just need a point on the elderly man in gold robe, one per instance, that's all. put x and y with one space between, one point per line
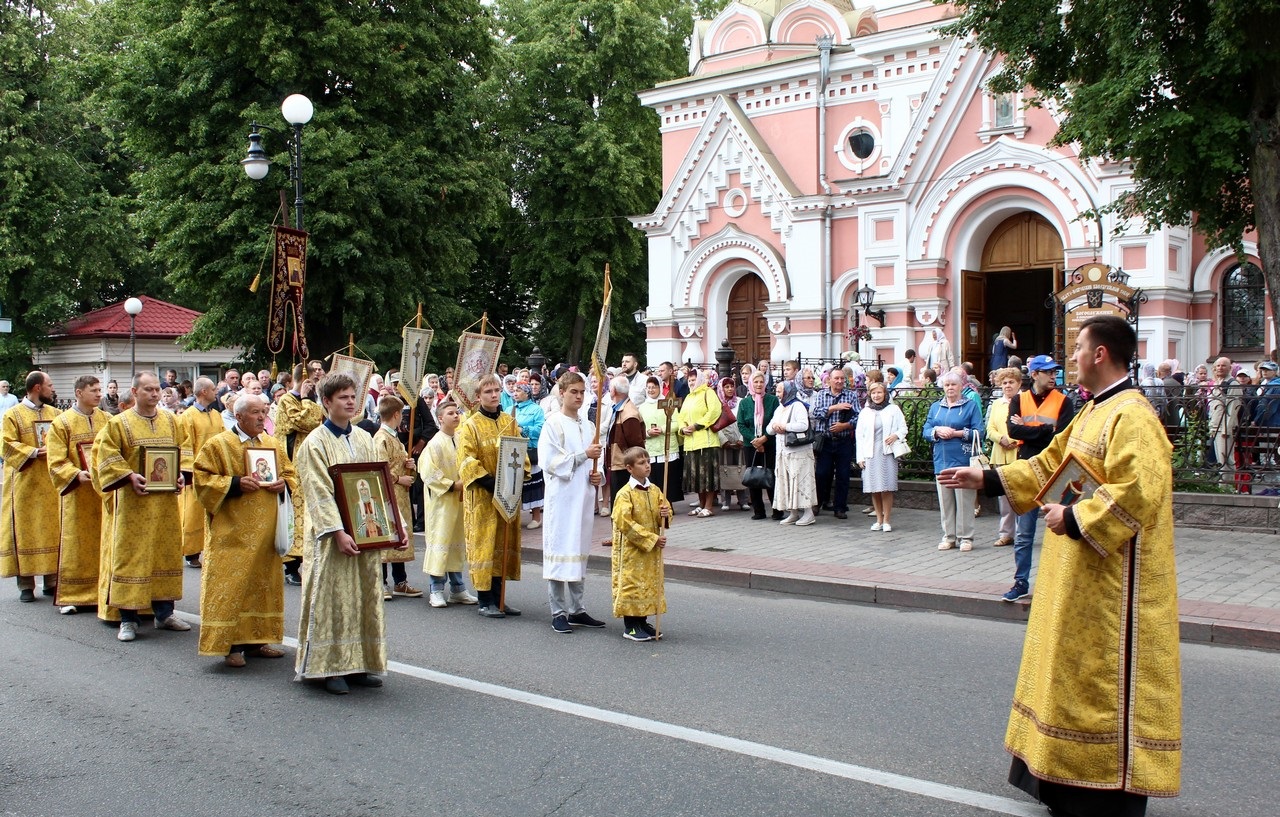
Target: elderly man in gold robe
144 565
29 514
68 444
201 423
342 633
493 544
241 589
298 414
1096 726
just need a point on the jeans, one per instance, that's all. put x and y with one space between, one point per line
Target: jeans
833 466
956 507
566 597
455 582
1022 541
162 609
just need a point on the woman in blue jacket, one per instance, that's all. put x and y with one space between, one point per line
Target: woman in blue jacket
952 426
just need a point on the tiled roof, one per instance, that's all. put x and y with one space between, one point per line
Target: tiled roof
158 319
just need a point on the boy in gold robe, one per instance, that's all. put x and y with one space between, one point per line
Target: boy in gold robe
493 544
144 566
201 423
80 551
342 632
29 512
1096 725
393 452
639 509
442 496
241 589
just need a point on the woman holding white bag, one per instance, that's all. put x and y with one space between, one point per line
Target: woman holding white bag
879 438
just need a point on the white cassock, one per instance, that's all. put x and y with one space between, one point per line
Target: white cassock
569 510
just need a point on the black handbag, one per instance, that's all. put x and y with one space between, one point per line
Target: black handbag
757 476
795 439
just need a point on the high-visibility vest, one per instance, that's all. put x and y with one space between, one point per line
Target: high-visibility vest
1045 414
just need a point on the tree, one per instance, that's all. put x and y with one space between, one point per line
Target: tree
396 165
61 247
1188 93
584 153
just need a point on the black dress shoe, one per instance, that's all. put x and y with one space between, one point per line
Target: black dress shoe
778 514
27 594
841 515
50 591
757 516
491 612
289 578
510 611
336 685
364 679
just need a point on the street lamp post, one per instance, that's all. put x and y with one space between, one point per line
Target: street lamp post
134 307
297 111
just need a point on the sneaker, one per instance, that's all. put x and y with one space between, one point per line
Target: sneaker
605 510
946 544
966 545
1003 542
296 581
877 526
68 610
649 628
584 619
436 599
172 623
405 589
387 595
637 634
491 612
807 519
1017 592
462 597
560 624
724 506
886 527
27 594
128 631
336 685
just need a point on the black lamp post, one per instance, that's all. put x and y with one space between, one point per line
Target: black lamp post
867 296
536 361
297 111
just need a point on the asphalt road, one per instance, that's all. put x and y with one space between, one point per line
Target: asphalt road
752 704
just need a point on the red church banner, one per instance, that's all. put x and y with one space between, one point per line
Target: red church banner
288 278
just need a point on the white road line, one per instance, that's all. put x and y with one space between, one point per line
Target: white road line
748 748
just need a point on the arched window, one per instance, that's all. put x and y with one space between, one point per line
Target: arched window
1244 296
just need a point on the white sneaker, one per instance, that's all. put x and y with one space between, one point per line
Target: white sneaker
172 623
436 599
128 631
946 544
462 597
68 610
966 545
791 519
886 527
877 526
807 519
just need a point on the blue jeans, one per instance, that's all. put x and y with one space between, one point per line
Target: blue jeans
162 609
455 582
1024 536
833 466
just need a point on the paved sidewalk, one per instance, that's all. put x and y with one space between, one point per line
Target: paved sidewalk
1228 582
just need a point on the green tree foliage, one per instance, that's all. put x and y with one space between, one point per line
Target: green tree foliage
1187 92
396 164
62 246
584 154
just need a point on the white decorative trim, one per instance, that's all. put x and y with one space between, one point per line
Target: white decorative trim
727 245
735 15
735 203
815 11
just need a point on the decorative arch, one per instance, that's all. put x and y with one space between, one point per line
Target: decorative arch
802 21
729 244
1207 276
736 27
844 286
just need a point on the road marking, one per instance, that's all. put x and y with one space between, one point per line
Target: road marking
748 748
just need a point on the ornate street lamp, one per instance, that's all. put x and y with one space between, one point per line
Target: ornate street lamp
867 296
297 111
133 306
640 315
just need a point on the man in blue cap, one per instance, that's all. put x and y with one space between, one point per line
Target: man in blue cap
1035 416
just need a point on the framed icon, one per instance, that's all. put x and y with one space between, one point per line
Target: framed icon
159 467
1073 481
42 431
366 505
84 450
263 464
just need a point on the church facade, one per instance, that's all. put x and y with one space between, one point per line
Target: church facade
822 147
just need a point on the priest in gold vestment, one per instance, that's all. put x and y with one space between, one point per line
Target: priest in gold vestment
144 566
241 589
200 423
80 551
1096 726
29 510
493 544
298 414
341 633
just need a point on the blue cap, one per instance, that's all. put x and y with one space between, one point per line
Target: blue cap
1042 363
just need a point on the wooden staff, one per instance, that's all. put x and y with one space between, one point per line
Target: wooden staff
668 408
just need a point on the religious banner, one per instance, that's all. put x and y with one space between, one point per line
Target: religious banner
508 483
288 279
600 352
360 370
477 358
413 361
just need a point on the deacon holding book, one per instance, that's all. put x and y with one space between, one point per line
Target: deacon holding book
80 552
1097 711
342 634
29 511
201 422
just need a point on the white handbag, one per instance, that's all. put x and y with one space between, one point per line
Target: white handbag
284 522
977 459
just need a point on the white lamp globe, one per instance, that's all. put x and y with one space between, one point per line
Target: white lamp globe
297 109
133 306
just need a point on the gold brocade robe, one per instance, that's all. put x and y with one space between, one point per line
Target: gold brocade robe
392 451
29 510
296 418
445 541
105 611
200 427
145 560
637 559
1099 698
341 630
493 544
241 585
80 551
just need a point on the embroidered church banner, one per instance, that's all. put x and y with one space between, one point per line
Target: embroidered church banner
288 279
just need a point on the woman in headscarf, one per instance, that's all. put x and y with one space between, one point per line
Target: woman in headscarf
663 447
806 382
795 487
754 412
880 425
730 443
700 411
531 418
508 396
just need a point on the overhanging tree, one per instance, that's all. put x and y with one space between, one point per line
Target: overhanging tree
1187 92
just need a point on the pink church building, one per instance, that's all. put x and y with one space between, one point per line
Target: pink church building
961 218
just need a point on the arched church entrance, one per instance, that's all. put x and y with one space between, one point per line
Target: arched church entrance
1020 263
748 329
